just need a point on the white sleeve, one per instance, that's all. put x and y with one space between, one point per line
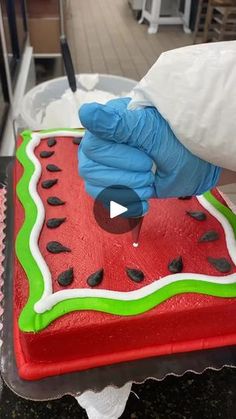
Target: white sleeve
194 89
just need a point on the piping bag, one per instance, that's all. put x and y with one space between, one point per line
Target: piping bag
136 229
136 226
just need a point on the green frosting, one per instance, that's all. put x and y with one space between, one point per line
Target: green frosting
30 321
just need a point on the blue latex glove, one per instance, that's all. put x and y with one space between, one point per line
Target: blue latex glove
120 147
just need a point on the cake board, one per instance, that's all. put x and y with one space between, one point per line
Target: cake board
94 379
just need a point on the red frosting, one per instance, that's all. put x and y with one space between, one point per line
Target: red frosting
87 339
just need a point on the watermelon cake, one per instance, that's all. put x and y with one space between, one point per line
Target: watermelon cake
84 298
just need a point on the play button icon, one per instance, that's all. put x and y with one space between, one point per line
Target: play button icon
116 209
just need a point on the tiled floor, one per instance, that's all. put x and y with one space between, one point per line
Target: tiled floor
105 38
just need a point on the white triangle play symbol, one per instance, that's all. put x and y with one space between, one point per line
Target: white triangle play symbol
116 209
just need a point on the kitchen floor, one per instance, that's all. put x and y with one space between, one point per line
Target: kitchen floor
105 38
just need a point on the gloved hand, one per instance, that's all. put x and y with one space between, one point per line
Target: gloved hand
120 147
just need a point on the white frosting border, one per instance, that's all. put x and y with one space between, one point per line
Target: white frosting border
50 299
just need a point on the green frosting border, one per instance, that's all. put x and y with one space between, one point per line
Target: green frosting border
30 321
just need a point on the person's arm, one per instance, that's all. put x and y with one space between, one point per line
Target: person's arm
120 147
227 177
193 88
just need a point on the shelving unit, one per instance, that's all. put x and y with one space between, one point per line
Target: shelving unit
44 30
16 69
44 27
223 24
216 20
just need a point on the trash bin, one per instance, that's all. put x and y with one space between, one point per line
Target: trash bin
36 100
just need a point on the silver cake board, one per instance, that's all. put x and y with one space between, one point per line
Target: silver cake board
96 379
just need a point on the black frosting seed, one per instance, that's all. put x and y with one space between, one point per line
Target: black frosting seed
197 215
209 236
53 168
51 142
176 265
77 140
55 222
56 247
95 278
135 274
184 197
66 277
45 154
53 200
221 264
46 184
